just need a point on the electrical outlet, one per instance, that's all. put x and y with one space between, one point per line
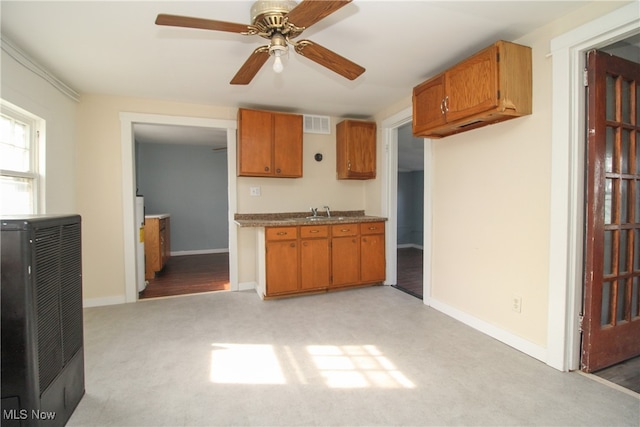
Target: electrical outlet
516 304
254 191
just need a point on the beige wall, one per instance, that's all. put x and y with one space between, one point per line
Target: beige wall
99 187
490 206
99 183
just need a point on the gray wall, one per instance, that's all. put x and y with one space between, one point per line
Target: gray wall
410 208
189 182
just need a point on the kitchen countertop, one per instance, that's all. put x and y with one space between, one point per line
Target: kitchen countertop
284 219
158 216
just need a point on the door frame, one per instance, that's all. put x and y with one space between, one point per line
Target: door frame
127 120
566 236
389 198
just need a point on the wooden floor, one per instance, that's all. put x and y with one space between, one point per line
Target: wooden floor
190 274
625 374
410 271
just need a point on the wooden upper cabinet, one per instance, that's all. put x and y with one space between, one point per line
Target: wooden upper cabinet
356 149
489 87
287 147
269 144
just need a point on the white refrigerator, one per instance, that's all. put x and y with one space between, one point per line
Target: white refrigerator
140 244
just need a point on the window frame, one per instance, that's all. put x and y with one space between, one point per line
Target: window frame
36 152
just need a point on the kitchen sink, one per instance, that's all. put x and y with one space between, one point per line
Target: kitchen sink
319 218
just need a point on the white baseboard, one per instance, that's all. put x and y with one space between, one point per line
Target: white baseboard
520 344
200 252
409 245
247 286
99 302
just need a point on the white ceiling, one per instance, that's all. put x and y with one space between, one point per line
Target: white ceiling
114 47
170 134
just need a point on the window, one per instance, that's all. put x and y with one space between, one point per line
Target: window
19 171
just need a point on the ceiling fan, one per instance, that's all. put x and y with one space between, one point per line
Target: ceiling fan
279 22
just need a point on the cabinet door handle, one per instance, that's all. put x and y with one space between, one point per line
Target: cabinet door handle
442 106
266 168
282 233
314 231
446 103
293 245
364 239
348 166
344 230
305 244
278 170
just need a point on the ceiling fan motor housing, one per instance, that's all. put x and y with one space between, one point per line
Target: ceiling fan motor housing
271 13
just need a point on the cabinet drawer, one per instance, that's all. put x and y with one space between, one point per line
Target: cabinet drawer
344 230
311 231
372 228
281 233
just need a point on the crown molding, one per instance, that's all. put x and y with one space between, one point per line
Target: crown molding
19 55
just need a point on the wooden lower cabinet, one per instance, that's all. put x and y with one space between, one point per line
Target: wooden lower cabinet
157 246
345 255
282 267
372 259
315 267
318 258
282 259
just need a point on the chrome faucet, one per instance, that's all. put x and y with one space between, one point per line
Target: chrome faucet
314 211
328 211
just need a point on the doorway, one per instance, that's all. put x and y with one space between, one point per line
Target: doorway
611 324
410 212
130 230
181 174
390 134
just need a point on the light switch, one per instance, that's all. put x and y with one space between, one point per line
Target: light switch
254 191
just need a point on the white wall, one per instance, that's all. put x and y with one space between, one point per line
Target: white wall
29 91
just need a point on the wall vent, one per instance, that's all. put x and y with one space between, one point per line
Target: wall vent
317 124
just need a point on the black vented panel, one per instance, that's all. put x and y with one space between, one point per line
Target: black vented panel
71 291
47 279
42 339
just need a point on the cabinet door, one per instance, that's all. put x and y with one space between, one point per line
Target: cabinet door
314 263
372 258
356 149
471 87
345 261
151 247
282 266
255 143
166 237
287 151
428 105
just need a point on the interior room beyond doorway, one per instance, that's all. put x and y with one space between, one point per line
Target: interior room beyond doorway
181 172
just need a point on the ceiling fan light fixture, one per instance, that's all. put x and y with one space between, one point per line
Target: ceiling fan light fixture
277 49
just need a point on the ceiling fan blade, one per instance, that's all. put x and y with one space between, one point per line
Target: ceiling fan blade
204 24
252 65
330 59
308 12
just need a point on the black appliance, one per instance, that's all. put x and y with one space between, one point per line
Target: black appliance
42 330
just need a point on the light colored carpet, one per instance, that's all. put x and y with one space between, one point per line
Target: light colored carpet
371 356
